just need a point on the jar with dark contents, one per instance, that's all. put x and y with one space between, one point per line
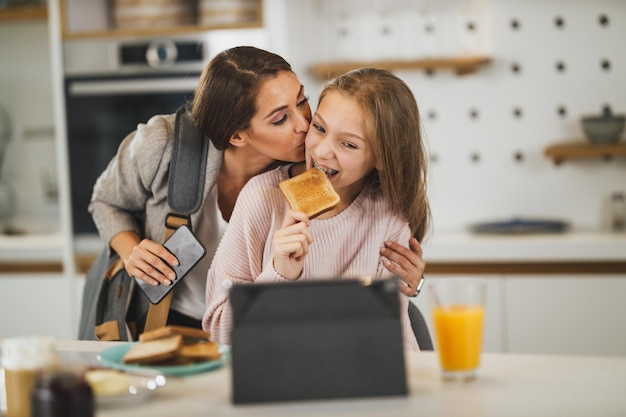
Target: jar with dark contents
62 393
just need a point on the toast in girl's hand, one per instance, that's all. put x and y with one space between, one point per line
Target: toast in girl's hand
310 192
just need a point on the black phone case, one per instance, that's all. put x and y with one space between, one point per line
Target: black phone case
188 250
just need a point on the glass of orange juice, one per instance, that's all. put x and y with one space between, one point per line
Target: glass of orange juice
458 312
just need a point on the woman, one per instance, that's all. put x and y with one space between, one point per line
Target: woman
365 117
253 109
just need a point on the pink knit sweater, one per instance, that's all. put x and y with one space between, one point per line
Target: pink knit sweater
346 245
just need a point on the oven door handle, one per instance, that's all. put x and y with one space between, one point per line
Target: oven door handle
132 87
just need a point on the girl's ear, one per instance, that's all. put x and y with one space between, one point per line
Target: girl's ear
237 140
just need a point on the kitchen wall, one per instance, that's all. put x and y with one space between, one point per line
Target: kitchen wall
486 131
26 93
552 62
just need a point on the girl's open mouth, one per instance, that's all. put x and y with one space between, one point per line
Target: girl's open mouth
329 172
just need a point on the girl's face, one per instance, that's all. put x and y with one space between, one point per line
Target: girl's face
278 128
337 143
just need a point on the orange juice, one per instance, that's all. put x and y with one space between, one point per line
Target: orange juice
459 334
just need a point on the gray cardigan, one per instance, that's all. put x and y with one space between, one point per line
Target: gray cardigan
136 180
131 195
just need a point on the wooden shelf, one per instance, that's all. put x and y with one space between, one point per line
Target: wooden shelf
23 13
460 65
177 30
104 27
578 150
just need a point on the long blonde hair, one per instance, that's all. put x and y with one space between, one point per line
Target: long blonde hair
393 126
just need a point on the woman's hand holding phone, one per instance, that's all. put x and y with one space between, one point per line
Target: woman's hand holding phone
186 250
151 262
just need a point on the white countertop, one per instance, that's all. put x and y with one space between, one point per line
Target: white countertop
570 246
42 247
443 247
509 385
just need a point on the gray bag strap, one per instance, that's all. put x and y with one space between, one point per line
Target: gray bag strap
184 193
188 167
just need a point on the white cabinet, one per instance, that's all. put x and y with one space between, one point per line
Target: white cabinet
36 304
550 314
583 315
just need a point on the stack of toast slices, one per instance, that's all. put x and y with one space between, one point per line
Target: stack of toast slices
173 345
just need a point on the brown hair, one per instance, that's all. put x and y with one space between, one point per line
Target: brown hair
225 98
393 127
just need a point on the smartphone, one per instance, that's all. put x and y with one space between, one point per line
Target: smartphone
184 245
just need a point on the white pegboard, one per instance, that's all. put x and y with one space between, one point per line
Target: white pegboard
487 131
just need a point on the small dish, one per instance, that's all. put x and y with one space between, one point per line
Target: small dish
519 226
603 129
141 385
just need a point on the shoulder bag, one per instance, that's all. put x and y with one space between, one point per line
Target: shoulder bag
109 309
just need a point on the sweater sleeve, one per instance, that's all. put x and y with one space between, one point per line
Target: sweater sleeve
240 256
124 187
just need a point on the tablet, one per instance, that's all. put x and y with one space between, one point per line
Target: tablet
320 339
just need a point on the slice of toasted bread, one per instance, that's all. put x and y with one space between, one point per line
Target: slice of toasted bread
154 350
189 334
107 381
310 192
203 351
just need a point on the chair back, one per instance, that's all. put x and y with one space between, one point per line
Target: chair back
420 328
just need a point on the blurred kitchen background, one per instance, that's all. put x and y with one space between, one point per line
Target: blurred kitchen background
502 87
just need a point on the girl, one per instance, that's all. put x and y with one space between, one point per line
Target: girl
365 136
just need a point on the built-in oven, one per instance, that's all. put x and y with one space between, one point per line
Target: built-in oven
110 87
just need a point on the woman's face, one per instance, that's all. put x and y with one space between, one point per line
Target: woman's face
337 143
278 128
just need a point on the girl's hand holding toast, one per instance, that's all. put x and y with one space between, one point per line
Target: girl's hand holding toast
291 245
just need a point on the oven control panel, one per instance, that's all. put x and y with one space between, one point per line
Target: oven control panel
162 53
119 57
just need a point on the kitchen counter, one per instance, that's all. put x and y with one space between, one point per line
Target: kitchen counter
571 248
44 247
571 253
40 252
